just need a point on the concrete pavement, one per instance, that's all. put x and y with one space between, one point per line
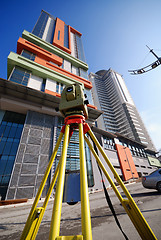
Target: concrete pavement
13 217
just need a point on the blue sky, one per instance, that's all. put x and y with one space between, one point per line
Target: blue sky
115 35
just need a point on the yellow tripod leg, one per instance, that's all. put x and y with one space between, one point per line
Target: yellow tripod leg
85 209
129 205
33 209
41 210
103 169
56 215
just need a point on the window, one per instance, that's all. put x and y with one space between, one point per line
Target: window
80 50
67 65
83 73
20 76
137 151
43 85
62 66
75 70
66 38
28 55
52 26
89 166
59 35
73 161
89 95
61 88
108 143
57 87
40 25
10 133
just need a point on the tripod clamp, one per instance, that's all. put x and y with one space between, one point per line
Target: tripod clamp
74 121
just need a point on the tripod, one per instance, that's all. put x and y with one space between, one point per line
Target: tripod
31 228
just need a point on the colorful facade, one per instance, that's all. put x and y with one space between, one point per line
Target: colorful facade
47 59
51 56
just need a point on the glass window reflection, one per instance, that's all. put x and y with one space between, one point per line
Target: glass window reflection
73 161
10 133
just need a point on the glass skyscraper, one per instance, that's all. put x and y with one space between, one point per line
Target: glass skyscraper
119 111
10 131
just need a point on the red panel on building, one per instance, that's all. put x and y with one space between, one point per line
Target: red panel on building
59 36
126 162
23 44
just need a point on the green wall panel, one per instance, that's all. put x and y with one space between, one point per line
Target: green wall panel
53 49
154 161
36 69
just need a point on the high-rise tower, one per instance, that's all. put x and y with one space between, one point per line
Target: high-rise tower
120 114
47 59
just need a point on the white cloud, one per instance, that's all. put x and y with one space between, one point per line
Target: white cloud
152 121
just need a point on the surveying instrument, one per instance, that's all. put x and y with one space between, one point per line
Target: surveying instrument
74 109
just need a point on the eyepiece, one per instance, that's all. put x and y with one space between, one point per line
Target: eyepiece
70 89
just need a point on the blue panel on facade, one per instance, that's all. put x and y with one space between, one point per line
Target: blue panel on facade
53 30
81 55
28 55
73 161
40 25
83 73
10 132
72 188
66 37
20 75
